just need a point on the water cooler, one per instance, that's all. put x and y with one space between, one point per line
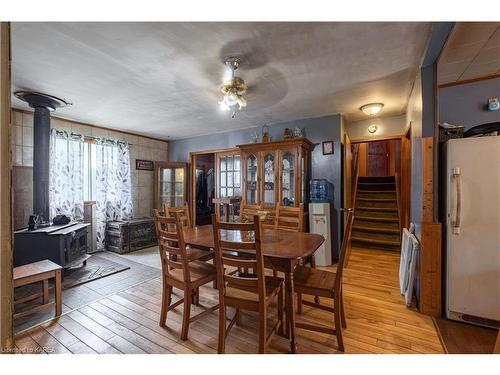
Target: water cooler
320 218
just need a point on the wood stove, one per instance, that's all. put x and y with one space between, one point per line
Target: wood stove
66 244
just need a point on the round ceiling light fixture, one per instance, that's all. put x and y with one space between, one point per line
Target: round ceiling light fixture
372 109
372 128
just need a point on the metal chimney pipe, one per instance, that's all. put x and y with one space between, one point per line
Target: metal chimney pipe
41 158
43 105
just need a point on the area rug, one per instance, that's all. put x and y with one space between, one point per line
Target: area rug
96 268
463 338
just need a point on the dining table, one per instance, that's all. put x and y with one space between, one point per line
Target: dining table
282 249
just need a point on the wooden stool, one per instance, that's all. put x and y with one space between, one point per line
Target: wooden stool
33 273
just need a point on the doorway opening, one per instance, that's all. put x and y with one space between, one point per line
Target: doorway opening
202 187
377 186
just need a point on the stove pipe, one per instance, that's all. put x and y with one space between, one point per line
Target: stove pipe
43 104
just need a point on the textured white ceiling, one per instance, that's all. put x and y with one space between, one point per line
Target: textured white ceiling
472 51
162 79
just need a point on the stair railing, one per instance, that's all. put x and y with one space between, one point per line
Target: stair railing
398 199
354 187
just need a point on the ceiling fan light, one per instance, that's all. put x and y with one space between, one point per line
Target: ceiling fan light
372 109
242 102
233 88
224 106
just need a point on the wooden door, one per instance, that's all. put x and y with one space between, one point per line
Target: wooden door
378 158
170 185
347 172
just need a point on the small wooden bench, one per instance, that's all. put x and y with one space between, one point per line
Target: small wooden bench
36 272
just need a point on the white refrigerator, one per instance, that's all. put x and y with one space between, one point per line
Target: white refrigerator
473 230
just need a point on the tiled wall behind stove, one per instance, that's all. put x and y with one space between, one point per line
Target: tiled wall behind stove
22 158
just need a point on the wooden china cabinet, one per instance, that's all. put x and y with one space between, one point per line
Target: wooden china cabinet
275 172
169 185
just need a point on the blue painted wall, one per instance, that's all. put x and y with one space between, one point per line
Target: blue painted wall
317 130
464 104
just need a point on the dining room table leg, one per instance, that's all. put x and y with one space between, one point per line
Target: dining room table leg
290 308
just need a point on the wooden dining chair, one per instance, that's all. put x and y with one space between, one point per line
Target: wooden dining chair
183 212
180 271
292 219
241 291
315 282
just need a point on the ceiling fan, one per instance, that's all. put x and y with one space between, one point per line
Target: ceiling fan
233 89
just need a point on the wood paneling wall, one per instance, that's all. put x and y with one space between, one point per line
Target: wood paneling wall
405 181
6 340
430 253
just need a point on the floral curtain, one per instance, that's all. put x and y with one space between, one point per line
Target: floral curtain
66 174
113 190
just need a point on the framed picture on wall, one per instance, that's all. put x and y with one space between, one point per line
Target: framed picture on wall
327 148
144 165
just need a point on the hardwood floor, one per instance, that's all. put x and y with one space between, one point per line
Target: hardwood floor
127 322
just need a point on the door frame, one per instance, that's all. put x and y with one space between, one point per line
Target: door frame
167 164
192 177
6 245
405 172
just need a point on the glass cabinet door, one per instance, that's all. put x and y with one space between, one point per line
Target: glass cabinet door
302 179
288 179
229 176
269 180
170 185
252 190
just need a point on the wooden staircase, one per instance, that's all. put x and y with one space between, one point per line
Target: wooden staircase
376 219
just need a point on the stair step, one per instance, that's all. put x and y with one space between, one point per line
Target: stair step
376 213
376 192
361 199
375 241
376 179
376 186
379 229
377 219
376 224
380 209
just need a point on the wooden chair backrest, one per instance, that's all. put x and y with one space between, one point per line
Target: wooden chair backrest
239 237
265 216
171 245
290 218
182 210
345 251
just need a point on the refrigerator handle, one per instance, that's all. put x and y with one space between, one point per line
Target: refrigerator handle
457 177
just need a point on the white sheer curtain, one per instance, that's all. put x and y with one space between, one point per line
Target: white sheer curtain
113 189
66 174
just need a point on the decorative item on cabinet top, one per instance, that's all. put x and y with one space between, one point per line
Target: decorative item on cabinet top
298 133
265 134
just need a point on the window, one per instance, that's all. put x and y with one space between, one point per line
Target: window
230 176
89 171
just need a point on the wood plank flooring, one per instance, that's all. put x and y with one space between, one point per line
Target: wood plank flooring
127 321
